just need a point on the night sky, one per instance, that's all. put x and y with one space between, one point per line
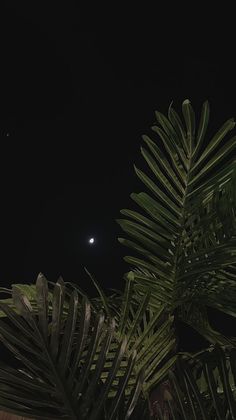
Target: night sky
74 103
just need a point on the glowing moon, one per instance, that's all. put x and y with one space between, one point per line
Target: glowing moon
91 240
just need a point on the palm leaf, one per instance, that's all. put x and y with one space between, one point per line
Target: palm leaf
71 354
203 386
187 226
60 376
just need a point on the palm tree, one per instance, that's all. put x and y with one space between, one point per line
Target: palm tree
116 356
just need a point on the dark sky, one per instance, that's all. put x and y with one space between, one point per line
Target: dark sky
74 104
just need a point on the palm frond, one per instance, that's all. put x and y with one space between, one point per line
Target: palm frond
72 355
204 387
186 230
61 373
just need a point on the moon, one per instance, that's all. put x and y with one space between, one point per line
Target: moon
91 241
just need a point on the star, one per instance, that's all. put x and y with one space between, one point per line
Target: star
91 241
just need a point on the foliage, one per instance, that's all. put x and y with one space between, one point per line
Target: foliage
73 357
204 387
65 368
116 356
185 232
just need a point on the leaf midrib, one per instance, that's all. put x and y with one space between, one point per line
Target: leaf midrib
176 258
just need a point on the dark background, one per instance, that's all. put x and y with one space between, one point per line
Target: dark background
75 99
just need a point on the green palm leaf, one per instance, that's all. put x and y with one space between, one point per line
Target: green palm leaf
186 229
204 386
73 355
60 376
